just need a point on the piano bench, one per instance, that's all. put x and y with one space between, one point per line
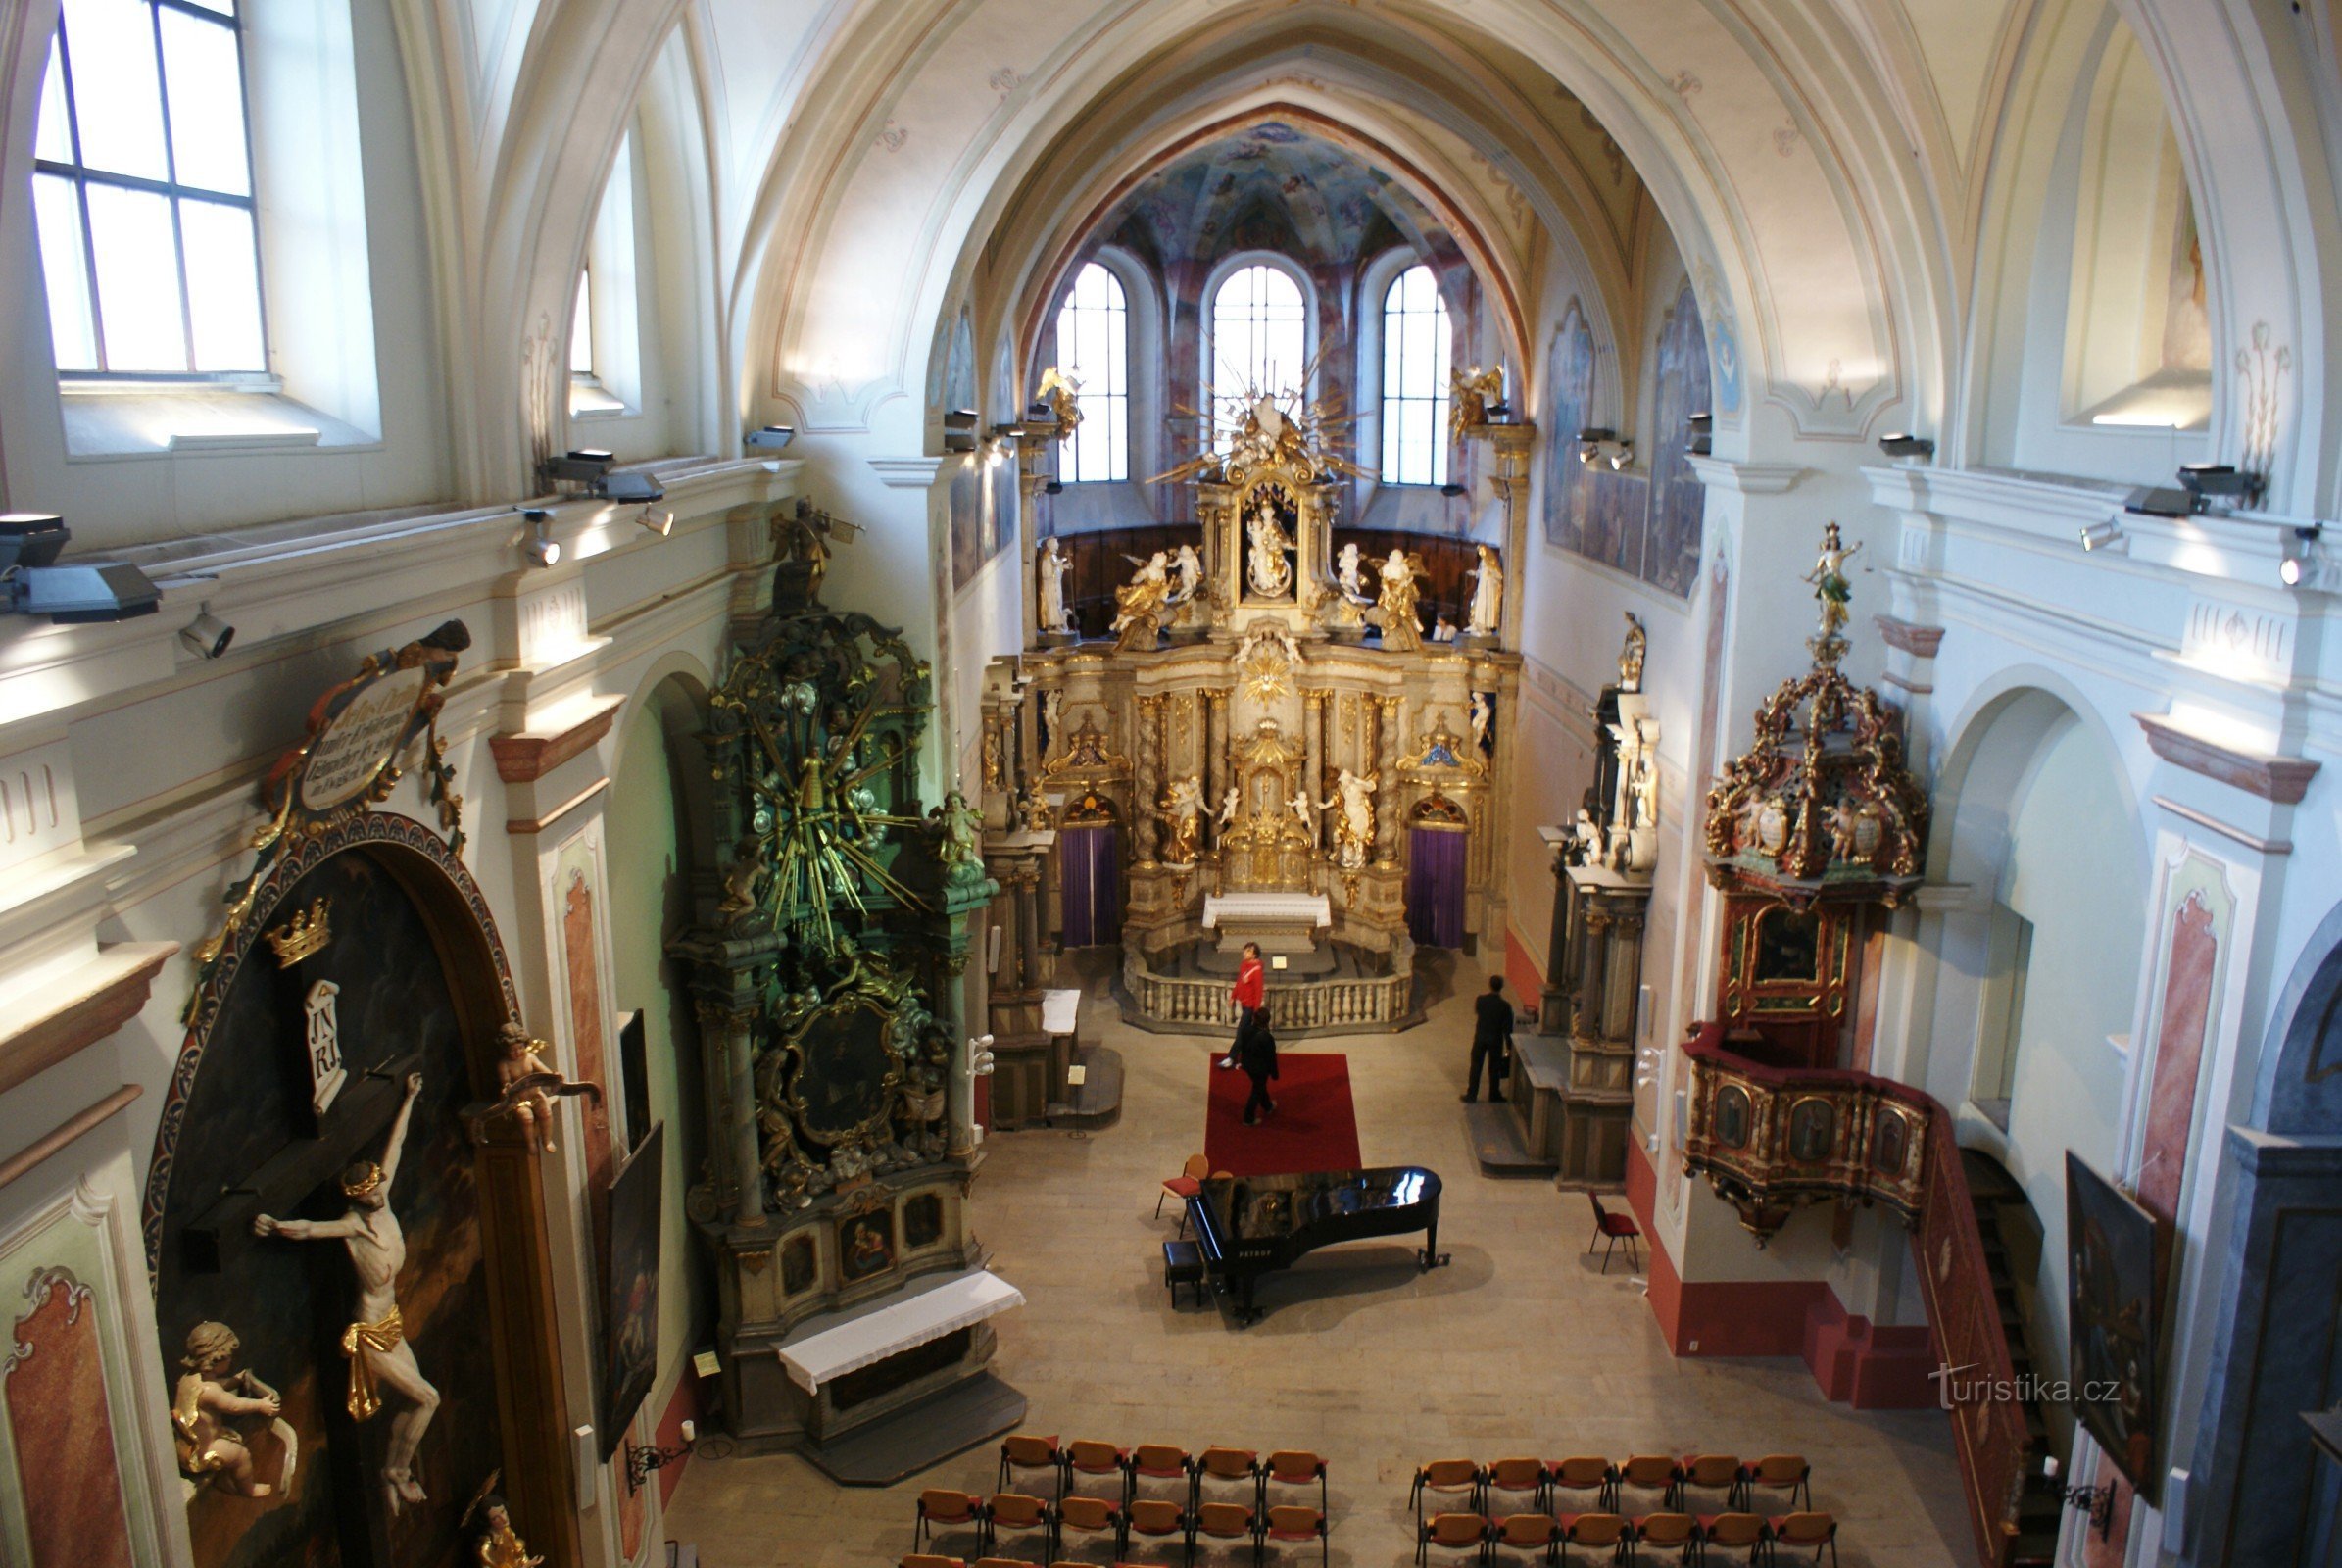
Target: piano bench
1182 1264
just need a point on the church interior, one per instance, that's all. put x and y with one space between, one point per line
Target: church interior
1170 782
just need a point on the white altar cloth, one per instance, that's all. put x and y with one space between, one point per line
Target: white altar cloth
832 1345
1282 908
1061 1010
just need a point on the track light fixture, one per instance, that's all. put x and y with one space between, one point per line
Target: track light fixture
1601 446
32 582
541 548
959 430
772 438
1903 444
578 465
207 636
2299 566
2102 535
2210 482
657 520
1703 434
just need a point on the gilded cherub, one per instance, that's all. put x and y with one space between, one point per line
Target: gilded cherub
206 1405
517 1063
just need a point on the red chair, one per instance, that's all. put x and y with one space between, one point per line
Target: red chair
1648 1472
1451 1477
1086 1456
1293 1467
1018 1511
1618 1228
1709 1472
1225 1521
1183 1186
1452 1532
925 1559
1744 1533
939 1505
1539 1534
1801 1530
1158 1461
1240 1465
1004 1562
1157 1520
1297 1522
1521 1478
1678 1533
1587 1478
1090 1516
1597 1532
1786 1473
1024 1452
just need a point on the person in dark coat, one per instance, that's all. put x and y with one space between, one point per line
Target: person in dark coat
1492 1041
1259 1061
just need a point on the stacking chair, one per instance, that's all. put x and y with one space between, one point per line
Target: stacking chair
1786 1473
1293 1467
1600 1535
1587 1479
1523 1477
1158 1461
925 1559
1709 1472
1021 1512
1297 1522
950 1509
1225 1522
1538 1533
1004 1562
1183 1186
1744 1533
1157 1519
1615 1228
1237 1465
1094 1517
1086 1456
1798 1531
1452 1532
1678 1533
1648 1472
1024 1452
1456 1478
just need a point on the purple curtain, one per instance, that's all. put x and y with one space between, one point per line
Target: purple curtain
1436 887
1093 869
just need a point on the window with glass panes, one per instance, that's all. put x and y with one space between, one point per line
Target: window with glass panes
1259 330
142 191
581 328
1415 378
1094 347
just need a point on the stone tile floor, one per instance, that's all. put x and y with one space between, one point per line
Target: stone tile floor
1520 1346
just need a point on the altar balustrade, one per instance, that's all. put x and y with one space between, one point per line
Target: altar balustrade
1334 1001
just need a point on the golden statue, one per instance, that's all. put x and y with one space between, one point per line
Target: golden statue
1182 813
1063 394
499 1545
1138 604
1468 394
1831 591
1395 611
206 1405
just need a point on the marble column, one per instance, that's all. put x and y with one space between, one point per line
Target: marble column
1146 785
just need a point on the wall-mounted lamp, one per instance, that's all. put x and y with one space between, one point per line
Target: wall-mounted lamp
1499 413
33 583
2298 563
579 466
2102 535
772 438
1451 490
641 1461
2160 500
207 636
657 520
630 486
542 549
1903 444
959 430
1703 434
1599 445
2225 482
1055 487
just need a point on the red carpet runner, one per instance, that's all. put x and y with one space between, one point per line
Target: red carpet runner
1315 1127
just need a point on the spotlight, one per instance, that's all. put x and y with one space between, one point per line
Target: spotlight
1451 490
207 636
77 592
959 430
2210 481
32 538
542 549
772 438
661 523
1055 487
1600 445
2160 500
1903 444
630 486
2296 566
581 466
1703 434
2102 535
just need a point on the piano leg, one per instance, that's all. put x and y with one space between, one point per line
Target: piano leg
1431 1257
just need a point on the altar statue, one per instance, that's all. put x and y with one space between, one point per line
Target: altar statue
206 1406
1488 595
1631 654
1483 712
1394 611
1182 814
1268 569
1052 567
1831 591
518 1061
1187 571
1468 394
1347 576
1353 829
1139 604
376 1342
1225 815
1304 811
1053 720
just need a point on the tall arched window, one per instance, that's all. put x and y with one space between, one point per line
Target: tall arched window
142 190
1415 374
1259 341
1094 334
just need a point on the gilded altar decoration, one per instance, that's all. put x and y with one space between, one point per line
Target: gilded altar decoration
1270 843
1064 395
1832 592
1138 604
308 933
1269 548
499 1545
1182 813
1486 608
1088 756
358 733
1440 752
1394 611
212 1407
1631 655
1468 394
526 1088
1267 661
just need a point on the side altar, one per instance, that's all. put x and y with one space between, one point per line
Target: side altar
1272 747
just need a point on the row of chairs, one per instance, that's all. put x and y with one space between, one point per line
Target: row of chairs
1156 1519
1620 1539
1599 1484
1084 1462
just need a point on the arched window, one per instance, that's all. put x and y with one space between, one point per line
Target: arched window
1415 372
1094 335
581 326
142 190
1259 341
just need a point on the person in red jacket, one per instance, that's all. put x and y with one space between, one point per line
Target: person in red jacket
1251 993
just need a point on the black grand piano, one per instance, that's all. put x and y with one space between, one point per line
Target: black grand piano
1247 1226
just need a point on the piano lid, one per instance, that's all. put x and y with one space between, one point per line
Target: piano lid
1269 1209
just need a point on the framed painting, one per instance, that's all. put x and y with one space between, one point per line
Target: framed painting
2114 1287
630 1272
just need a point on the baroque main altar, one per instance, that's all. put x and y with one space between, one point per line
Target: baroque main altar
1271 747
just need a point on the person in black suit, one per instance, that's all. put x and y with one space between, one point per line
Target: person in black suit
1257 1049
1492 1041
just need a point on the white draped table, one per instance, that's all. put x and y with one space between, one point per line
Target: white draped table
838 1342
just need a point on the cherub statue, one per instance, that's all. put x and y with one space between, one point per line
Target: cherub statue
742 880
1228 805
1139 604
1182 813
206 1406
1187 571
1394 611
1831 591
1268 569
1052 565
517 1062
1347 576
1304 811
1468 394
1585 840
1034 811
960 843
1488 595
499 1545
1063 393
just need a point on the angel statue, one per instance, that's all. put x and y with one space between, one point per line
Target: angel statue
1182 814
1488 595
1225 815
1052 565
1468 394
1270 571
1831 591
1347 574
1139 604
1630 656
1353 829
209 1406
1187 572
1304 811
1394 611
1063 394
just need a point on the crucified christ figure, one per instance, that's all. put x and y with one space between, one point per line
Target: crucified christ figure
377 1341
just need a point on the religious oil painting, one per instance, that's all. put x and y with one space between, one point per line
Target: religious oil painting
845 1071
2113 1278
630 1315
865 1244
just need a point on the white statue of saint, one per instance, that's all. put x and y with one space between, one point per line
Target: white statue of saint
1271 573
1053 722
1483 712
1182 814
1347 573
1488 595
1052 567
1353 829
